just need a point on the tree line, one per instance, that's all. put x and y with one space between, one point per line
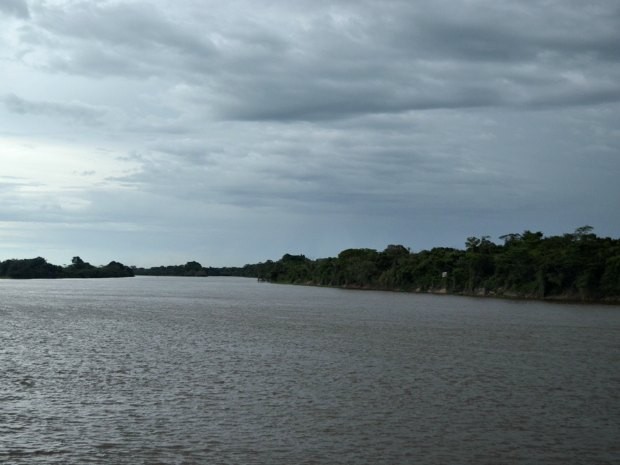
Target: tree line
39 268
189 269
577 266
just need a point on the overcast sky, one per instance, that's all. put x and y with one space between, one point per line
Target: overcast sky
161 131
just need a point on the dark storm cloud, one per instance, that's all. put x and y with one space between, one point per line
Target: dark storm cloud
416 56
18 8
350 58
510 32
78 112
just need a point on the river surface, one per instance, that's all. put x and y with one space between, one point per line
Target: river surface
152 370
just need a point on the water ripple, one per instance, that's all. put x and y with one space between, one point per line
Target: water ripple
185 371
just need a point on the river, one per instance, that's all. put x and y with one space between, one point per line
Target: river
162 370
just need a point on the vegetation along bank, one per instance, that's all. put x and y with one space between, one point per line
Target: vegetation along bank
577 266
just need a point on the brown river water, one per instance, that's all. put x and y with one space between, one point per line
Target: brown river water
152 370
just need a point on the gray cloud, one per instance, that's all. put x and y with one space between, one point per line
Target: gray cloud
123 39
122 24
406 59
321 124
348 59
339 170
79 112
17 8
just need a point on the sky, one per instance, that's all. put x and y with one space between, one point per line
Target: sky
163 131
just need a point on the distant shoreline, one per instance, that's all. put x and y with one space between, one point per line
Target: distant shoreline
39 268
440 292
574 267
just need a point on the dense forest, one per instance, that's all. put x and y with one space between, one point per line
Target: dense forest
247 271
577 266
39 268
189 269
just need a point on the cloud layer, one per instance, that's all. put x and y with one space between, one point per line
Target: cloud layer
233 134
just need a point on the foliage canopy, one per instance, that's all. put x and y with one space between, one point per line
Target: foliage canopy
579 266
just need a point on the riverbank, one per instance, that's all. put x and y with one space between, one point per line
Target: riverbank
477 293
576 267
39 268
